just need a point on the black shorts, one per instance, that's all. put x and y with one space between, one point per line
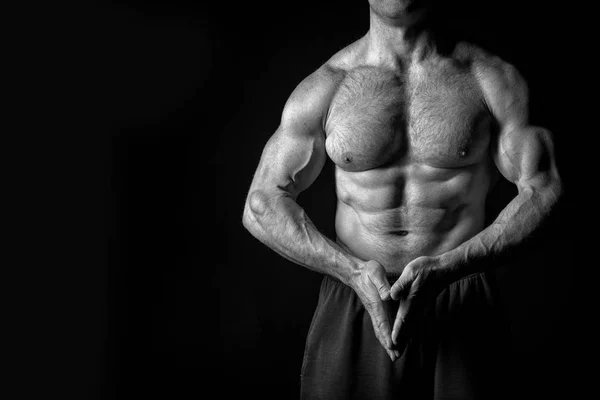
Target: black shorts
458 350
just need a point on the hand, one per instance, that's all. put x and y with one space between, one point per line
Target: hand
420 281
373 288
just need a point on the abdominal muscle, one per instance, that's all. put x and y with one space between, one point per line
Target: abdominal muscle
432 211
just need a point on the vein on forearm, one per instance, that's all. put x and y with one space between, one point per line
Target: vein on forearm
284 226
517 222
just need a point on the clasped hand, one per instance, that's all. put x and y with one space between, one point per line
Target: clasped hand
420 281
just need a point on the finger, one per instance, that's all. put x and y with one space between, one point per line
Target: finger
378 313
400 288
402 317
380 320
391 354
379 279
381 324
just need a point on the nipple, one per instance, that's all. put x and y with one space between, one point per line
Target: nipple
462 152
347 157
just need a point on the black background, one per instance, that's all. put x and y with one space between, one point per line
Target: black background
140 279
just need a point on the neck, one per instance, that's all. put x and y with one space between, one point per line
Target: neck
401 39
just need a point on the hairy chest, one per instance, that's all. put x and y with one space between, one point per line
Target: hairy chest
434 117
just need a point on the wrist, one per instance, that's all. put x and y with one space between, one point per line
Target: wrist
352 272
349 269
452 268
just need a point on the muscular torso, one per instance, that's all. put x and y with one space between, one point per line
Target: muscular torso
413 166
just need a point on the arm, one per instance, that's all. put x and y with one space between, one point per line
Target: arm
291 161
524 155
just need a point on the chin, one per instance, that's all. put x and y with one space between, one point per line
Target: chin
397 9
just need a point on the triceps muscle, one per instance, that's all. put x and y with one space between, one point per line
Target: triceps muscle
281 224
290 164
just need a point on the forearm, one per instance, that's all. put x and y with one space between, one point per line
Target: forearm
281 224
518 221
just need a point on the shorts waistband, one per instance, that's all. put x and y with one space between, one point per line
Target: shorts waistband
394 276
391 276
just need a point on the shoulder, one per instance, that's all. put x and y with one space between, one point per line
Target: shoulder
490 69
309 101
315 89
313 95
504 89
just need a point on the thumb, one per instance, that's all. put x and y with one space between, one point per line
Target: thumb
379 279
400 288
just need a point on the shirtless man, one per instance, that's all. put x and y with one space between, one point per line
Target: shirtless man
418 137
